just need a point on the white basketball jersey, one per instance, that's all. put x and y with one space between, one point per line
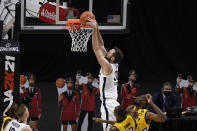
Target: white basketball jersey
15 126
108 83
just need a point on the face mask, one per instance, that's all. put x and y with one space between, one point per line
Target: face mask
89 84
167 93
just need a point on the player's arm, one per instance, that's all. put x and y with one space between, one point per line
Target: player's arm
131 112
27 128
103 62
99 120
113 128
98 35
97 50
101 42
160 116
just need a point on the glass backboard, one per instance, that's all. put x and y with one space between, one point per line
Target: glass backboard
41 14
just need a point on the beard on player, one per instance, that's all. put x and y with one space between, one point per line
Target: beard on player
114 55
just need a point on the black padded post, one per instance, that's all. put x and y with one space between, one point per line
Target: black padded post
1 30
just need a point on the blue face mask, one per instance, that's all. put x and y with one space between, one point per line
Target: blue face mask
167 93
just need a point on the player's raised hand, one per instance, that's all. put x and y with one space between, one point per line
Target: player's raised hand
92 23
149 98
98 120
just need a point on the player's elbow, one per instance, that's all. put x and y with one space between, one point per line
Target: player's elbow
163 118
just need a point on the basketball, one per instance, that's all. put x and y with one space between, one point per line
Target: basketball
23 79
84 16
60 82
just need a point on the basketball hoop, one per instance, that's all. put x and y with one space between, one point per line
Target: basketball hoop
80 35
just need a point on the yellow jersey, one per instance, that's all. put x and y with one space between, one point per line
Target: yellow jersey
5 119
142 124
128 124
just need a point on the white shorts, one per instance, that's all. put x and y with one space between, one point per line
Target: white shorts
107 112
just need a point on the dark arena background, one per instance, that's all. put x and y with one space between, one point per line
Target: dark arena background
158 41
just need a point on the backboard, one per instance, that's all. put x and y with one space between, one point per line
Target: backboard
41 14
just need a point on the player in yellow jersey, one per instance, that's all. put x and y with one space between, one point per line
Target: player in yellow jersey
125 121
145 116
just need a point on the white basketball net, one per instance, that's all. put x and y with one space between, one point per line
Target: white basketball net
80 37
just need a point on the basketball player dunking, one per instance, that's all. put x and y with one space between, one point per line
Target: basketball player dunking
108 74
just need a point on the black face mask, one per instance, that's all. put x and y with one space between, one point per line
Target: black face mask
167 93
89 84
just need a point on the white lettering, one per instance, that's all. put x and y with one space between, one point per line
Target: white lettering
9 64
9 49
49 15
9 98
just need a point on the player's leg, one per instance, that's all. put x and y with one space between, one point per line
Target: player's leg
108 109
65 124
73 125
81 119
104 116
90 120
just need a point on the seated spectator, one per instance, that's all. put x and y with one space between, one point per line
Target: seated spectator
166 98
130 90
188 92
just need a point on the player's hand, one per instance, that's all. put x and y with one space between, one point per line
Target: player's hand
98 120
92 23
149 98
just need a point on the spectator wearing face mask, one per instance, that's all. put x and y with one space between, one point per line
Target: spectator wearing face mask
166 98
188 91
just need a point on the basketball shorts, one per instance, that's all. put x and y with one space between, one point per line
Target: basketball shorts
69 122
107 112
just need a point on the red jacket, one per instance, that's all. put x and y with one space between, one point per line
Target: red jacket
36 105
88 98
187 99
25 93
129 94
70 109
